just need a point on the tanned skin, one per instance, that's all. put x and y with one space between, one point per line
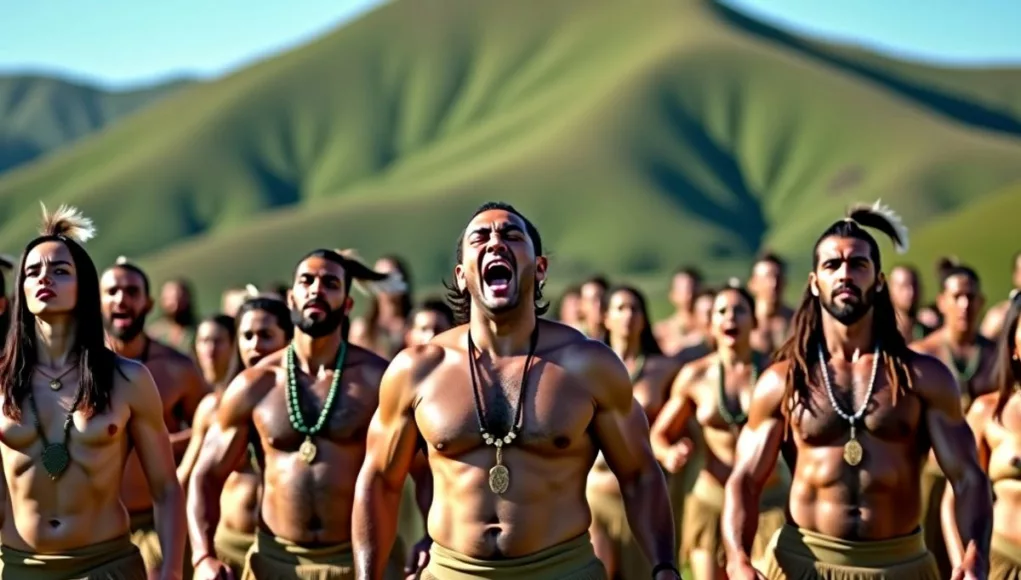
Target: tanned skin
879 498
306 504
773 317
578 402
84 506
992 324
125 302
681 328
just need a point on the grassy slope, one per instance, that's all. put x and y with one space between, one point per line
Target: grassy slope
386 134
40 114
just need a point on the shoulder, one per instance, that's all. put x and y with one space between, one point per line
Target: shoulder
925 344
772 383
161 350
368 364
932 380
983 406
247 389
139 387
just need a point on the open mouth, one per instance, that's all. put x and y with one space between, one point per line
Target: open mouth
731 332
497 276
121 319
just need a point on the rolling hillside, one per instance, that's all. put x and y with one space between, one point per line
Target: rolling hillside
637 139
39 114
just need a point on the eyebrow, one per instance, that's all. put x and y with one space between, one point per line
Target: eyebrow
53 263
503 228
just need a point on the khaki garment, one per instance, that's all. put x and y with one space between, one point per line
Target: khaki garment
272 558
703 510
570 560
232 548
798 554
116 559
144 536
934 484
1004 559
609 515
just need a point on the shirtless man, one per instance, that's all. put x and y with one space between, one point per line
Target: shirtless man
263 327
993 321
714 391
629 335
308 406
854 412
773 318
124 292
995 419
72 410
680 330
906 293
509 478
591 307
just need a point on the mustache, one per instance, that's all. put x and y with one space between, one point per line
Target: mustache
854 290
317 302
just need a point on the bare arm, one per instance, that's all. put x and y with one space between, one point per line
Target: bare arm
622 432
195 389
223 447
993 322
203 416
672 421
758 448
152 445
423 479
980 412
953 443
390 448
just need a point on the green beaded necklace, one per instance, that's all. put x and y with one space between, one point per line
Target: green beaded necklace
308 448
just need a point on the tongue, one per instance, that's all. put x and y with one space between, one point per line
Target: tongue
499 284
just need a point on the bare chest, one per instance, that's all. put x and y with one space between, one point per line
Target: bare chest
553 416
818 421
284 419
722 402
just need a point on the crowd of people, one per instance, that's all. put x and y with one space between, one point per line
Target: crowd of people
489 434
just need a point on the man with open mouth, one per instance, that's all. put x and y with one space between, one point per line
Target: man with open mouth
511 410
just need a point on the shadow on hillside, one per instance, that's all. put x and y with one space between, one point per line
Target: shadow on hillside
15 152
948 105
740 214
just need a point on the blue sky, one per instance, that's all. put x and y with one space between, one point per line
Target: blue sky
123 42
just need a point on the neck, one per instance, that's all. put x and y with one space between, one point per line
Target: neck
766 309
843 341
960 337
132 349
684 310
315 353
625 347
54 340
504 336
738 353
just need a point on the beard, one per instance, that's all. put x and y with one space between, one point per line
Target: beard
850 311
125 333
318 328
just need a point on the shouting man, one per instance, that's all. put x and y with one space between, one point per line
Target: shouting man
124 292
308 407
854 412
512 410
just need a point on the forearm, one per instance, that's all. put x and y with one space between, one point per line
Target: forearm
375 525
948 520
204 490
168 511
974 510
423 490
740 519
179 442
649 515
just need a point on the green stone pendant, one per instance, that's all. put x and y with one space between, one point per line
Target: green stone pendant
56 459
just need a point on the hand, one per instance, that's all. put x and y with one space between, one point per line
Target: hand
210 568
744 571
418 558
677 456
969 566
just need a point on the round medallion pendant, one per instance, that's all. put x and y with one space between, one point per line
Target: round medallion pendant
499 479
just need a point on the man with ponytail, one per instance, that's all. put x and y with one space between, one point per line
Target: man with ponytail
854 412
72 411
308 407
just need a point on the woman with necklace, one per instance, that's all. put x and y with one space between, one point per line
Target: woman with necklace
263 327
716 391
995 418
629 334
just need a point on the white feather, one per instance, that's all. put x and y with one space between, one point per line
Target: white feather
121 260
392 284
891 216
69 222
252 290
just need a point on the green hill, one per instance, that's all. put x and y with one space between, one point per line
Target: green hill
39 114
637 138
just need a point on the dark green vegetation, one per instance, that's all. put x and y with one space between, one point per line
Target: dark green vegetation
39 114
637 138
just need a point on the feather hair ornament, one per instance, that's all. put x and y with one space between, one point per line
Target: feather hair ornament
883 218
252 290
370 282
121 260
67 222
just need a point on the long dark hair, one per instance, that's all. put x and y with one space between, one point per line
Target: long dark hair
800 349
1008 368
281 313
96 363
5 317
372 310
460 300
647 344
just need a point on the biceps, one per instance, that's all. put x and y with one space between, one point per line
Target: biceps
953 443
152 444
758 448
222 449
624 440
391 445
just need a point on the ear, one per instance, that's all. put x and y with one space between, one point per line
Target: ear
459 279
813 284
348 305
148 305
541 264
290 298
880 282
